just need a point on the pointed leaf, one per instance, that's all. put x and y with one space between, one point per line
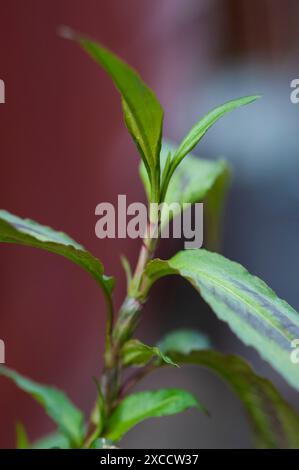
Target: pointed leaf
135 353
200 128
252 310
143 405
142 111
57 405
26 232
274 423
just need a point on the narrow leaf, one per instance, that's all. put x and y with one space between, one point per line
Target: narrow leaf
252 310
199 130
26 232
274 423
142 111
58 406
143 405
135 353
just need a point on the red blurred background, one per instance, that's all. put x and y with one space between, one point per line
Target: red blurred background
64 149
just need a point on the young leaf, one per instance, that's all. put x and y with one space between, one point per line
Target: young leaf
26 232
143 405
274 423
252 310
202 126
142 111
183 341
69 418
192 182
135 353
21 437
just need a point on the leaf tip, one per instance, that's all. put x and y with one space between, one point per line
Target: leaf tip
253 98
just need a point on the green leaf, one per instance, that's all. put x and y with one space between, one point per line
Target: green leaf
135 353
252 310
196 134
54 440
274 423
143 405
194 179
58 406
26 232
21 437
183 341
191 182
202 126
142 111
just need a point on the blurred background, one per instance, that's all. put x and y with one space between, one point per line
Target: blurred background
64 149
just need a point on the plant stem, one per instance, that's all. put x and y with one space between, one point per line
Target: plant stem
109 324
135 378
127 321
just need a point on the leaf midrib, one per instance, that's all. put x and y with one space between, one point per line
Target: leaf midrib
224 286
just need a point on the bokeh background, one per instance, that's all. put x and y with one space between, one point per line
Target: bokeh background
64 148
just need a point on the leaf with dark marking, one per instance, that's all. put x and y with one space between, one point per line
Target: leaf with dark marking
273 421
252 310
